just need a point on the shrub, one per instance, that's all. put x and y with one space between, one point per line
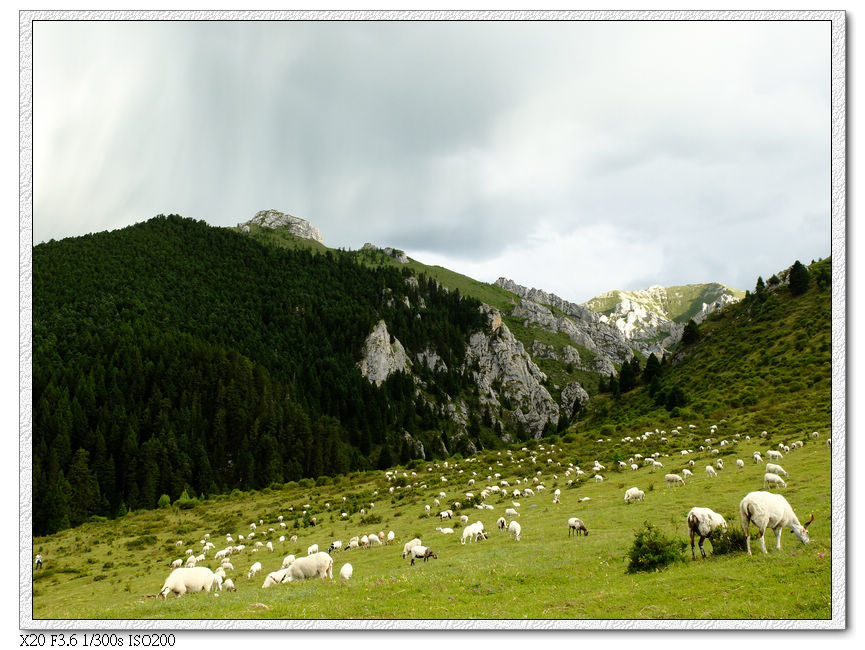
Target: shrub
370 518
164 501
141 542
727 541
652 550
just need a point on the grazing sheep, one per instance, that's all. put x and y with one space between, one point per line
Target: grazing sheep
227 566
510 512
254 569
373 540
634 494
408 546
776 469
269 546
769 510
829 443
598 478
472 532
446 514
703 521
317 565
312 549
464 519
390 537
514 529
774 479
757 457
228 585
275 578
686 473
293 539
710 471
189 580
346 571
422 552
174 565
634 467
691 463
740 463
774 453
577 526
719 463
501 523
335 545
674 479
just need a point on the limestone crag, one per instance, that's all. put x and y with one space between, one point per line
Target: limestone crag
503 370
573 395
274 219
395 253
381 358
432 360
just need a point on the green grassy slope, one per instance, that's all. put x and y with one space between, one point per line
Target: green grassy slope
679 304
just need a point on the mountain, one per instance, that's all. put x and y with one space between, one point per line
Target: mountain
172 358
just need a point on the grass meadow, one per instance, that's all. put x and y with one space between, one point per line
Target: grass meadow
111 569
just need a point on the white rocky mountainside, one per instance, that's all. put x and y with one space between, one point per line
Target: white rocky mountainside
274 219
381 358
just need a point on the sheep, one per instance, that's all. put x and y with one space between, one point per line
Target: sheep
472 532
228 585
220 571
293 539
774 479
346 571
634 494
312 549
757 457
464 519
514 529
275 578
719 463
422 552
188 580
740 463
598 478
373 540
226 566
686 473
674 479
445 531
390 537
317 565
829 443
577 526
510 512
774 453
691 463
776 469
501 523
446 514
634 467
269 546
254 569
710 471
335 545
190 562
768 510
176 564
408 546
703 521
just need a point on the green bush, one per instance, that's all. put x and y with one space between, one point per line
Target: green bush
652 550
164 501
727 541
141 542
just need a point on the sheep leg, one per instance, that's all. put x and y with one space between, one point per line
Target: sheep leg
778 530
702 552
763 539
693 557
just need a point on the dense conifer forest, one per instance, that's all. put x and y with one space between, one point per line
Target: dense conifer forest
172 357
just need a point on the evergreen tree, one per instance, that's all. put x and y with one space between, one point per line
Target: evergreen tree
691 333
652 369
799 278
84 494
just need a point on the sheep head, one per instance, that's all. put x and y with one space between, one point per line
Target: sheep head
802 531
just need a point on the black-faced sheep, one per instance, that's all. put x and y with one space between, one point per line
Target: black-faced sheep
423 552
703 521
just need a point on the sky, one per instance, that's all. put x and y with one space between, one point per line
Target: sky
576 157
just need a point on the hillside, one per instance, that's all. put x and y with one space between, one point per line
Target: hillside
678 304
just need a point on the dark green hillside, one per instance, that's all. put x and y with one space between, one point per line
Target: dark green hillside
765 361
171 355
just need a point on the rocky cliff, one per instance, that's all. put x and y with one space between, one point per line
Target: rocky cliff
381 358
274 219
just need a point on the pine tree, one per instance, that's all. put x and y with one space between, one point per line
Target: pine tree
799 278
691 333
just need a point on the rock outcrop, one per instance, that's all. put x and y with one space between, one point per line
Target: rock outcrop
573 396
504 372
381 358
274 219
395 253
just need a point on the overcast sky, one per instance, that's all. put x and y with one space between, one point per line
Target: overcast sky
576 157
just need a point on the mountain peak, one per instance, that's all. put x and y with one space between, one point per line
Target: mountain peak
274 219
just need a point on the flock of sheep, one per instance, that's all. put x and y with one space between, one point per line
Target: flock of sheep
765 510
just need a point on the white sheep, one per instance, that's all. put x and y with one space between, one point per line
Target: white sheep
774 453
757 457
228 585
514 529
510 512
422 552
577 526
773 479
472 532
686 473
254 569
445 531
335 545
598 478
287 560
634 494
740 463
189 580
408 546
312 549
719 463
390 537
674 479
776 469
501 523
177 563
464 519
769 510
346 571
275 578
710 471
703 521
317 565
269 546
227 566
